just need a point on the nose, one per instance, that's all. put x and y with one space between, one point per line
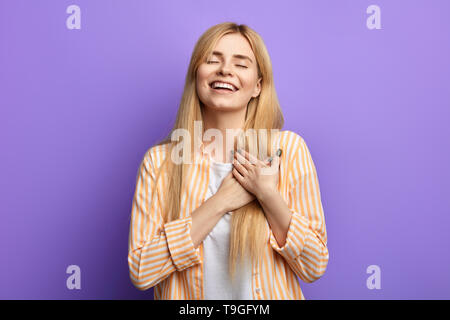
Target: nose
224 69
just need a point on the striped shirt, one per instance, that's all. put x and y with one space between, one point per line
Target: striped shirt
162 255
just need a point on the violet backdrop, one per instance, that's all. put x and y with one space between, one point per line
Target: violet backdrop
79 108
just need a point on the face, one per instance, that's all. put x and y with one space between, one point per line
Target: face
232 61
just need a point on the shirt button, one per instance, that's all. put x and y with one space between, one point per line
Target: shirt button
258 290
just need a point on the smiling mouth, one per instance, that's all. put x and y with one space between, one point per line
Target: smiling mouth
222 90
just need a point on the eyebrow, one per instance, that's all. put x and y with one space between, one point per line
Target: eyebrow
239 56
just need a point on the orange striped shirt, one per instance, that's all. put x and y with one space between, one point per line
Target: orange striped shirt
162 255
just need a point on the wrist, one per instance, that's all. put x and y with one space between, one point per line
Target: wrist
218 203
266 194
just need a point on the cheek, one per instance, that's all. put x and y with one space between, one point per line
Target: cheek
203 72
248 84
200 86
202 77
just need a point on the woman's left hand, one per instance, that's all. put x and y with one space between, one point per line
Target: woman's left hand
256 176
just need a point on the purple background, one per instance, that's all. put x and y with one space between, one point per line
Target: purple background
79 108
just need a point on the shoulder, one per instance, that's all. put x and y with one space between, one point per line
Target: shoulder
291 143
155 155
290 136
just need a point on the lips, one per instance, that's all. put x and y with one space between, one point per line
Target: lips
211 83
222 91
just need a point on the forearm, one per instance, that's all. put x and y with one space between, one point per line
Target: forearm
277 214
152 259
205 217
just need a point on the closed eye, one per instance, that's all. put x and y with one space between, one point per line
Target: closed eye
239 65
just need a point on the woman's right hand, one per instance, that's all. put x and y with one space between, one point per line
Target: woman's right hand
232 194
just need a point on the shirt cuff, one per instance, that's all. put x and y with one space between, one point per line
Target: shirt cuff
295 239
181 247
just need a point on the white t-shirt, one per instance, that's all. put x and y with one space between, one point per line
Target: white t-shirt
217 282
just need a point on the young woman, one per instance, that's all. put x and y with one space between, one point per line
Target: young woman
235 224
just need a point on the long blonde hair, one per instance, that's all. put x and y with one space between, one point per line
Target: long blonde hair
248 227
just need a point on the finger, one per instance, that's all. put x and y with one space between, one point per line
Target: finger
273 167
237 175
242 160
254 160
242 170
275 161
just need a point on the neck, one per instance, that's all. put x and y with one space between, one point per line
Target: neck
223 120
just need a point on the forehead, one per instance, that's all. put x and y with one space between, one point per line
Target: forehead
234 43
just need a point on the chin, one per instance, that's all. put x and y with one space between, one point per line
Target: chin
222 107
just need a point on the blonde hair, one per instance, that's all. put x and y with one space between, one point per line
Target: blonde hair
248 227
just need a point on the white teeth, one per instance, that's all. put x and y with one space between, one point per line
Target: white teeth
222 85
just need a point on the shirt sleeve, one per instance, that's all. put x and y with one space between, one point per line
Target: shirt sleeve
156 249
305 248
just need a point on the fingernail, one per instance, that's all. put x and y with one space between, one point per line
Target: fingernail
279 152
270 159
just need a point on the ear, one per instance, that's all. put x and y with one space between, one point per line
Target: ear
257 90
